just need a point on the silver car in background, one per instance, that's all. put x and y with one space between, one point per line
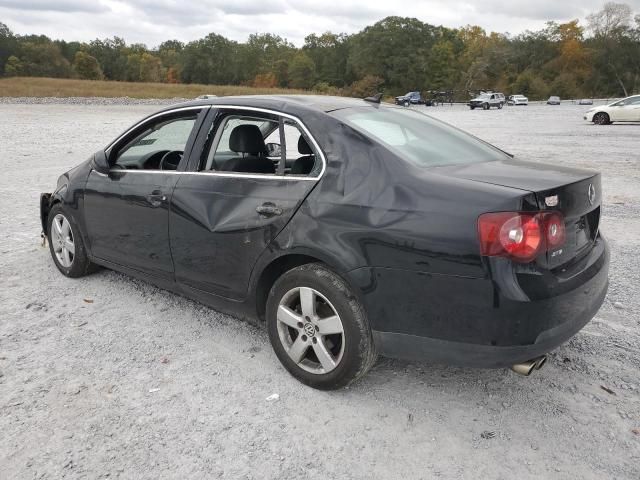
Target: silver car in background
517 100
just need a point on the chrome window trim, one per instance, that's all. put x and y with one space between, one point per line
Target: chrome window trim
299 122
217 174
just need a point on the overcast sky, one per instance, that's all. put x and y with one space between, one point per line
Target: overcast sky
152 21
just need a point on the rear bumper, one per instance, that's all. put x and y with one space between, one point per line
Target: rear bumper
468 322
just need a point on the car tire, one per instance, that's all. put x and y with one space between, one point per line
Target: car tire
406 104
601 118
318 328
486 106
472 108
65 244
500 106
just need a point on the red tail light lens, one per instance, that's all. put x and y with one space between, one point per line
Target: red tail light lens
555 230
519 236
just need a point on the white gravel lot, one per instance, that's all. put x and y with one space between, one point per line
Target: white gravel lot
141 383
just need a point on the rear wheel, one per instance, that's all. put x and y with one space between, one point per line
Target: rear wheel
500 105
318 328
65 244
485 106
472 107
601 118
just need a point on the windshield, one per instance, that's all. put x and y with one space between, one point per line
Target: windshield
418 138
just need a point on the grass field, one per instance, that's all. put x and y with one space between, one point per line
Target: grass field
65 87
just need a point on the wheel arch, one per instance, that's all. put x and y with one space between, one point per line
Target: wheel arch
276 267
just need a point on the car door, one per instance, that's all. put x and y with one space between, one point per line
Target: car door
127 211
221 221
630 112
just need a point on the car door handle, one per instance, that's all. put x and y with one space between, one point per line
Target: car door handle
156 198
268 209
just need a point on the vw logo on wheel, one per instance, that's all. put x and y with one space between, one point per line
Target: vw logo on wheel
591 193
309 329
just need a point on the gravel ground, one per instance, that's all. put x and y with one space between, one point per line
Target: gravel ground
106 376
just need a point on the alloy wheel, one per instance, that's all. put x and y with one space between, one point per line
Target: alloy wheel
310 330
601 118
62 240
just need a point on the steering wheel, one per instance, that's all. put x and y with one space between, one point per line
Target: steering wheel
171 160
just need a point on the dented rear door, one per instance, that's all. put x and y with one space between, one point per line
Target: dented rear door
220 223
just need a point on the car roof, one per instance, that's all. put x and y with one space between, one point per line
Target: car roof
284 103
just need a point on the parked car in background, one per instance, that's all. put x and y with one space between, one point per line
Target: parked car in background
553 100
517 100
625 110
483 260
487 100
585 101
410 98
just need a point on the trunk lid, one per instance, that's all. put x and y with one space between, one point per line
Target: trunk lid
575 193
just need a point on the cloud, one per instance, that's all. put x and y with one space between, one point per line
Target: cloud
57 6
153 21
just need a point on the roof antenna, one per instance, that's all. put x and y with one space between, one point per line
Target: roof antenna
375 99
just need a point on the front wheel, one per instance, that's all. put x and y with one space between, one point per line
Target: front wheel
499 105
406 104
485 106
601 119
65 244
318 328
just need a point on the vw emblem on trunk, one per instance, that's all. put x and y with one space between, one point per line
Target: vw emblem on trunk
591 193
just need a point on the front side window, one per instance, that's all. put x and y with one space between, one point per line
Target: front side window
252 143
158 146
418 138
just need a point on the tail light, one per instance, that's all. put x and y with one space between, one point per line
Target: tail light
520 236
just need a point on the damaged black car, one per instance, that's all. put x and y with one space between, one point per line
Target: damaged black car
351 228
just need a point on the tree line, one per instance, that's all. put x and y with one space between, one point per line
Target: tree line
394 55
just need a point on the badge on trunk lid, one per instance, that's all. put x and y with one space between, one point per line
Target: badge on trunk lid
551 201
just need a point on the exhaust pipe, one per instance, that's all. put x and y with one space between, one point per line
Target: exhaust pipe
525 368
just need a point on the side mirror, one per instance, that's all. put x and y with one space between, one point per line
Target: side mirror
273 150
101 163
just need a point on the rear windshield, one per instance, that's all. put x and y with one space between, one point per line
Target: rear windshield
418 138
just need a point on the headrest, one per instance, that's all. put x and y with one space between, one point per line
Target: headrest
303 146
247 139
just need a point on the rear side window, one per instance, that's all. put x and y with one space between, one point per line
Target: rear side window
418 138
253 143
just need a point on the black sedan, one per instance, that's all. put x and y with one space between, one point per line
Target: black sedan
350 227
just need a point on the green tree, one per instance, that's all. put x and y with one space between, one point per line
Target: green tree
211 60
133 67
87 67
8 45
329 53
442 66
43 59
617 54
302 71
111 54
151 68
13 67
395 49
